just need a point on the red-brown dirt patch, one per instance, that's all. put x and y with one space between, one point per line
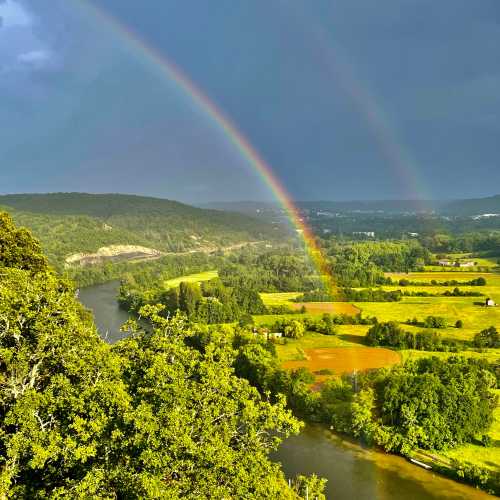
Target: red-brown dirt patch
345 360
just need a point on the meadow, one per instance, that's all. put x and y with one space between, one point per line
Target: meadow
312 308
191 278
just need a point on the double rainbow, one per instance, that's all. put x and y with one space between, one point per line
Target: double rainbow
173 73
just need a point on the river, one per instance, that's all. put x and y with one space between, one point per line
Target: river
353 472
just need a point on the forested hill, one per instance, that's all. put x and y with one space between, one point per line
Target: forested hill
79 223
477 206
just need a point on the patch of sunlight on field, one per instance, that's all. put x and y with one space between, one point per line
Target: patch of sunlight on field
279 299
474 317
192 278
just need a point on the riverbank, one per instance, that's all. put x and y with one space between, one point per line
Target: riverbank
354 472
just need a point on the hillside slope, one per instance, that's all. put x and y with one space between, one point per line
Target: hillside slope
490 205
79 223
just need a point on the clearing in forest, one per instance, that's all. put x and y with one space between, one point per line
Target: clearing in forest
192 278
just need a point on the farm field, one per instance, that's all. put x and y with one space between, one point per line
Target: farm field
491 278
285 299
344 360
474 317
348 336
328 307
192 278
279 298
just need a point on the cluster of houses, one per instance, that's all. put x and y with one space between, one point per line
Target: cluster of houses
451 263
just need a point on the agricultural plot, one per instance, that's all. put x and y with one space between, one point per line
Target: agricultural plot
474 317
348 336
279 299
470 310
313 308
492 278
191 278
342 360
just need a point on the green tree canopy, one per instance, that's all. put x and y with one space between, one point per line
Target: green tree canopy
150 417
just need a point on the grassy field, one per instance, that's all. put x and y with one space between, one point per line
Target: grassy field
313 308
348 336
280 298
192 278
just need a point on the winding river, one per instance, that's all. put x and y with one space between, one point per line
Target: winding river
353 473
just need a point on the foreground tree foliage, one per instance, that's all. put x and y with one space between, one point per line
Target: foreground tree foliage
151 417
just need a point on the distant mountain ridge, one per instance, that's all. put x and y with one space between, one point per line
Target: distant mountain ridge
465 207
74 223
475 206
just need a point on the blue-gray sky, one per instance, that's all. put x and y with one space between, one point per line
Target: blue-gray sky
344 99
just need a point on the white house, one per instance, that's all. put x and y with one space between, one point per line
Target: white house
469 263
445 262
490 302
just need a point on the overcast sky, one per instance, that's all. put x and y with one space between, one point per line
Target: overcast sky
345 99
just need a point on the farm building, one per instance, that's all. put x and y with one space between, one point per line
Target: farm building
490 302
469 263
445 262
274 335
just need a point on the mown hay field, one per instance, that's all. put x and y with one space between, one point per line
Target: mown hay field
191 278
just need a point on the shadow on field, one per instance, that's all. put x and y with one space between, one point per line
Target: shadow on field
356 339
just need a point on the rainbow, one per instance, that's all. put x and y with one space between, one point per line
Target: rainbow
337 66
173 73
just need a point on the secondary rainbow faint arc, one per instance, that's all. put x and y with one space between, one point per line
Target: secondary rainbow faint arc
173 73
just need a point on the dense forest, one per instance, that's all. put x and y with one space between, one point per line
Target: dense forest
155 416
70 223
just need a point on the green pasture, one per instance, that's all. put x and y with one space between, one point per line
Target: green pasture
493 279
279 299
191 278
474 317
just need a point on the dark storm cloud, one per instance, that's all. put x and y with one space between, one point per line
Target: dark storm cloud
429 69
